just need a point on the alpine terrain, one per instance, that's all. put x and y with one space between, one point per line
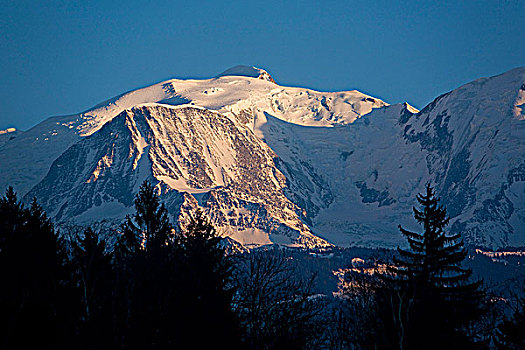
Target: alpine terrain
286 165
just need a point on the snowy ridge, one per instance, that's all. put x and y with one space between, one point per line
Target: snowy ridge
274 164
480 173
247 71
246 97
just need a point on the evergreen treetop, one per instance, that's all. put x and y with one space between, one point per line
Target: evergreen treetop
432 301
31 266
435 256
149 230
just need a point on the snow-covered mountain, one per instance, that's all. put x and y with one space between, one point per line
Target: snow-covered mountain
275 164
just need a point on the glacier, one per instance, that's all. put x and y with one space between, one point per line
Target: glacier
285 165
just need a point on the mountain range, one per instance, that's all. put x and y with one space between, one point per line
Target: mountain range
286 165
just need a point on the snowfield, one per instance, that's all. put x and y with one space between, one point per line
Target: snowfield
286 165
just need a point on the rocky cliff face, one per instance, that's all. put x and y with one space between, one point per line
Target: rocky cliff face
272 164
198 157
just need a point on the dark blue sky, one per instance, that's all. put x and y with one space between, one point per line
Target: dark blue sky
62 57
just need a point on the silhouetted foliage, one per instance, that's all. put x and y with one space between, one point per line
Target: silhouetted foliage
31 266
170 287
360 309
275 304
157 287
511 332
432 302
93 273
145 264
206 273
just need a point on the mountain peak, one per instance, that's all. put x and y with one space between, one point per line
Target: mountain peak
284 165
247 71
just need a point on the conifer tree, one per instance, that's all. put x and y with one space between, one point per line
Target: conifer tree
171 288
31 268
203 251
144 260
436 300
94 275
208 294
150 229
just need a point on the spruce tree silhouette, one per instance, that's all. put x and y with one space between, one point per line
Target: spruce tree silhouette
93 272
172 288
31 266
208 295
436 301
145 262
149 230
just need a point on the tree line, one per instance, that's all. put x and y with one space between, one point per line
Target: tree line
160 287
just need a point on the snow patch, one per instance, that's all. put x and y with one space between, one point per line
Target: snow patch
247 71
249 237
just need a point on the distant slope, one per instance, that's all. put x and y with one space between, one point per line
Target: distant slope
474 138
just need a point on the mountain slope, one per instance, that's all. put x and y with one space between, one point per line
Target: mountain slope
219 161
474 138
274 164
469 143
242 96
